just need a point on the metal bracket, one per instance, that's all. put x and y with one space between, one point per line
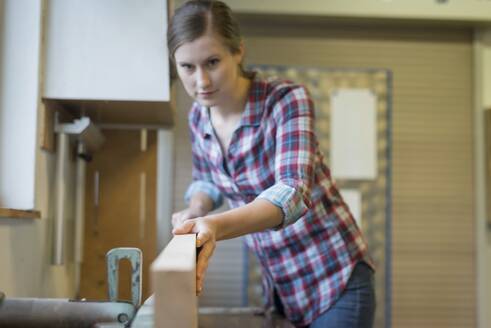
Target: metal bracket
134 255
85 131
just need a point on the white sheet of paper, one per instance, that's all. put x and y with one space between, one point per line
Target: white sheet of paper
353 134
352 197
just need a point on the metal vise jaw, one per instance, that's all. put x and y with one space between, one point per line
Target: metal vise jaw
134 255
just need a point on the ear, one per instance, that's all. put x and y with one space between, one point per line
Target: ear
240 54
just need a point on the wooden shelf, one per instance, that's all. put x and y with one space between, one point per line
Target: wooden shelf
117 112
102 112
19 214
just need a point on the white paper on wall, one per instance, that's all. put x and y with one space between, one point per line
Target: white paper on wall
352 197
353 134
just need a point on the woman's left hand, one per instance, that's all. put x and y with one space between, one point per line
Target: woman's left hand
206 239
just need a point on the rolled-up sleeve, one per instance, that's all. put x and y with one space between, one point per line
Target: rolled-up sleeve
206 187
294 156
202 178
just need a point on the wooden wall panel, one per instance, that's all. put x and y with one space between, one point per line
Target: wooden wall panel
487 131
433 258
120 219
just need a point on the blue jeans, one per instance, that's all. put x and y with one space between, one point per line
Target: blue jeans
355 308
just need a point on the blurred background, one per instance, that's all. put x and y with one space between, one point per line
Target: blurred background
68 196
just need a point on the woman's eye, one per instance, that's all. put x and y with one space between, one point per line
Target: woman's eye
187 67
213 62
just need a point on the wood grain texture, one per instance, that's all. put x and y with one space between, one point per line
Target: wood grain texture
174 284
116 221
487 131
19 214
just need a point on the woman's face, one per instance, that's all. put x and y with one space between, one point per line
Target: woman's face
208 70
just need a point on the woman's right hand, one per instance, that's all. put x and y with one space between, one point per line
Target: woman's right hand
206 230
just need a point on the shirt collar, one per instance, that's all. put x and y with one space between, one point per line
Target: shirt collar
207 127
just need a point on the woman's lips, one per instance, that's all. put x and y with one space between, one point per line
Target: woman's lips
206 94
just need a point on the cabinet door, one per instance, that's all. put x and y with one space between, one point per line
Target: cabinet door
107 50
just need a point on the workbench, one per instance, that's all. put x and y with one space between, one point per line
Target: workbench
174 282
218 317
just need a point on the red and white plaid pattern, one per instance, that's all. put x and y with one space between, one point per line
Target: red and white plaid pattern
274 155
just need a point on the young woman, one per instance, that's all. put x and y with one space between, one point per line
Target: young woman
253 142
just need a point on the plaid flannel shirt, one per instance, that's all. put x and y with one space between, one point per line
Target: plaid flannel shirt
274 155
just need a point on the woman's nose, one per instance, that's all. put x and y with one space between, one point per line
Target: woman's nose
202 79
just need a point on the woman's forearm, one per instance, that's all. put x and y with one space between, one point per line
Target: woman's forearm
256 216
201 204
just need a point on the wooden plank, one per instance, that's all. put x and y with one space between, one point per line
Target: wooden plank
174 284
19 214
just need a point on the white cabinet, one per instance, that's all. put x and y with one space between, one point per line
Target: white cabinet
111 50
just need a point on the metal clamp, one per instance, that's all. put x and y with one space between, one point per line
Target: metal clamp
134 255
